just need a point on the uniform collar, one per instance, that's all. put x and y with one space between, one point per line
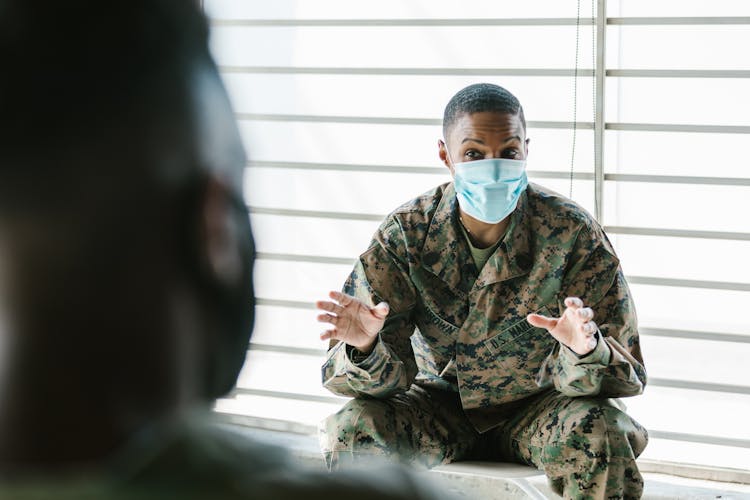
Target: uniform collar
446 253
512 258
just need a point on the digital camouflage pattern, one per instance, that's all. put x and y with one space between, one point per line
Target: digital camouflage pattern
585 445
462 332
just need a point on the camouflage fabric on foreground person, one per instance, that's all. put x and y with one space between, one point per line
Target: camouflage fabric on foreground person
458 371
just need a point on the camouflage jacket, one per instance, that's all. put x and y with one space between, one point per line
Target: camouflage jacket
456 328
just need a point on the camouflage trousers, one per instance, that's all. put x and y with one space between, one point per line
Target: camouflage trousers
586 446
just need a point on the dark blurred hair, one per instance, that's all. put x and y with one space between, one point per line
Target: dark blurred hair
91 82
479 98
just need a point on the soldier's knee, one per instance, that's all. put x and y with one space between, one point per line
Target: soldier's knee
609 431
360 424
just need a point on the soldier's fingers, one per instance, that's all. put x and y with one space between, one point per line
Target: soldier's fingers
328 334
540 321
341 298
329 306
328 318
592 342
381 310
585 313
589 328
573 302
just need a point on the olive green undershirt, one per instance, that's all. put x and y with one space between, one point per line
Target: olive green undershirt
480 255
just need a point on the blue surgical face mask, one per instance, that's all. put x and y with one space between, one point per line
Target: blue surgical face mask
488 190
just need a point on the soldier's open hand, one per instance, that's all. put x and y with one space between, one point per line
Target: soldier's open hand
353 321
575 328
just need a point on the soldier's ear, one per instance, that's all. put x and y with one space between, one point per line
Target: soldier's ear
223 252
444 157
220 234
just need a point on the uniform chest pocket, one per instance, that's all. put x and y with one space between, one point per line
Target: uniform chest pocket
520 336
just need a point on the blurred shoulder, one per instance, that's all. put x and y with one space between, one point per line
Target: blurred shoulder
241 466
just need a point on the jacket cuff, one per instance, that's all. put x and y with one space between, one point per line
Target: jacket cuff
601 354
377 354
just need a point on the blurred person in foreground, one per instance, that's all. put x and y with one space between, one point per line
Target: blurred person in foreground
488 319
126 300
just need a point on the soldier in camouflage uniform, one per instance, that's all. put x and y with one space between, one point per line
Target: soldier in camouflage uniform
461 339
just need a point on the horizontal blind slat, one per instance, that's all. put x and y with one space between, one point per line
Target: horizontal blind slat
424 23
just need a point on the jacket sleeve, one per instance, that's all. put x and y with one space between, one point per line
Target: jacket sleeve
381 274
615 367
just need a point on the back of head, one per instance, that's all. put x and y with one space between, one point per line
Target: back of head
116 140
90 83
480 98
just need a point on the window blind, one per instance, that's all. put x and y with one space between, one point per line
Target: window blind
340 103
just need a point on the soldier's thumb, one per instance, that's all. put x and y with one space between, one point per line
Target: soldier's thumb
381 310
540 321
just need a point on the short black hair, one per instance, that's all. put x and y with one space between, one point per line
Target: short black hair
478 98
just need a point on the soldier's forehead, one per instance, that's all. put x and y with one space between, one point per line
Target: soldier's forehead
486 125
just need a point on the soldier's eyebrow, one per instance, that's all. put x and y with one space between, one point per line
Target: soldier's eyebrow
479 141
470 139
